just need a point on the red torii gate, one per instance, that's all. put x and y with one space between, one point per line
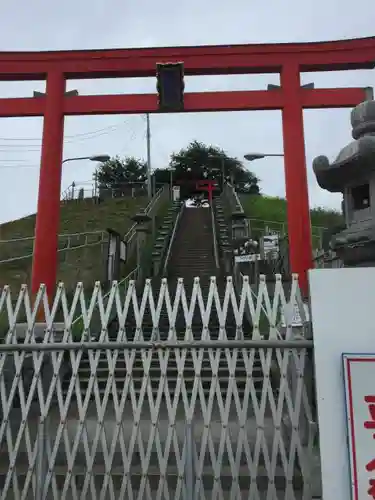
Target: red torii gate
207 185
289 60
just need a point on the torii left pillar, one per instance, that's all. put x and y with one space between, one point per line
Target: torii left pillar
45 257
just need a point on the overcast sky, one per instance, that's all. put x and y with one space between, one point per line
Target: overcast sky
90 24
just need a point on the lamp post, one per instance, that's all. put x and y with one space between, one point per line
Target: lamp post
259 156
99 158
45 257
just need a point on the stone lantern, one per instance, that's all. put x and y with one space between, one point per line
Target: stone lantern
142 229
239 225
353 174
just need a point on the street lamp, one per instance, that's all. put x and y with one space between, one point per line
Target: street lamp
99 158
259 156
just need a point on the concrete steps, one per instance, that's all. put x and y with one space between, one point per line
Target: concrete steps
193 249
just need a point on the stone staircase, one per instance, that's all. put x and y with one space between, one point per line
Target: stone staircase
222 226
163 237
193 249
192 256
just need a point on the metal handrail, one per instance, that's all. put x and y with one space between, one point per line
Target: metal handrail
130 234
253 223
282 228
254 295
91 189
66 191
213 223
327 259
64 249
238 201
30 255
130 276
60 236
175 227
281 223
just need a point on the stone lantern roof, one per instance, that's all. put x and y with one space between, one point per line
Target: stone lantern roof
353 174
356 160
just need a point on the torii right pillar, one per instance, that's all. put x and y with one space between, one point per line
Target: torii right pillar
297 195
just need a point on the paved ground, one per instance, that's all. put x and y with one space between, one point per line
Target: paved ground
251 429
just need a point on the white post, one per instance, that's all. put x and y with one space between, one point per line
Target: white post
342 313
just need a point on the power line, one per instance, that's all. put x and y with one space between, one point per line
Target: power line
38 139
3 167
72 139
21 160
30 148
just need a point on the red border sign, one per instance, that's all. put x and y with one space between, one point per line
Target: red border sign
359 379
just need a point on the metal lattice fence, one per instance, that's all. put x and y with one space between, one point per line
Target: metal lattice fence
174 404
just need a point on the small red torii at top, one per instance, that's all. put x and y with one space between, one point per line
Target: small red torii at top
207 185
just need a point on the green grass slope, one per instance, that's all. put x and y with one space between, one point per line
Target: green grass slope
87 264
77 216
272 212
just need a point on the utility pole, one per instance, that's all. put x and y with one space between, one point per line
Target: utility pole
148 138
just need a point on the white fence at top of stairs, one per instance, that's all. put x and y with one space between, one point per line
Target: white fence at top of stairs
133 416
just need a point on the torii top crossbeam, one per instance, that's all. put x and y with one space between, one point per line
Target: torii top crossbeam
289 60
198 60
203 60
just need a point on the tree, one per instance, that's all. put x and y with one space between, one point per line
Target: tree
117 173
199 161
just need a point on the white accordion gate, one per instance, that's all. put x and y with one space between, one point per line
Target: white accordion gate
155 412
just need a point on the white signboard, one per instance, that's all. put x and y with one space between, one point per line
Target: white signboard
247 258
342 315
176 193
271 244
359 378
123 251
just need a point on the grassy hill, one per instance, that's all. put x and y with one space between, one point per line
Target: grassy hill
77 216
272 212
87 264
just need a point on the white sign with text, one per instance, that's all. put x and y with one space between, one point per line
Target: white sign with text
359 379
271 243
342 316
247 258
